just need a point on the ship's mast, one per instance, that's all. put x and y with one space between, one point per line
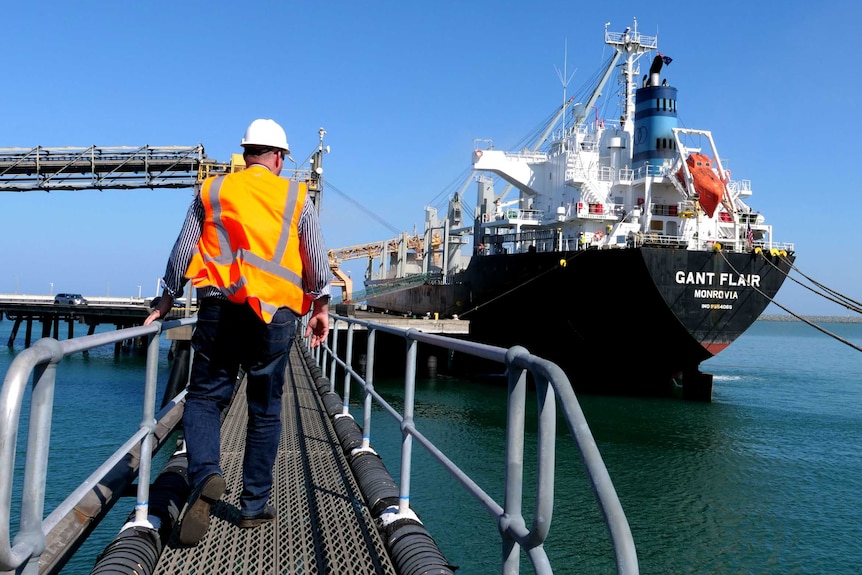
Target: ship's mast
564 80
630 44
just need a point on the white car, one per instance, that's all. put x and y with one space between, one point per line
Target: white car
70 299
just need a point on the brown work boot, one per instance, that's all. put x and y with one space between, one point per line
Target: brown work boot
268 514
196 520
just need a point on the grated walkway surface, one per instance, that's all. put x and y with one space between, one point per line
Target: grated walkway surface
323 524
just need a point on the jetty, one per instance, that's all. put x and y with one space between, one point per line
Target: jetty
41 312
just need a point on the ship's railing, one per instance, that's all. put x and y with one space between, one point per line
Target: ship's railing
534 157
748 217
533 216
552 388
729 244
607 174
740 187
671 210
599 211
625 175
780 246
588 144
41 362
652 171
576 171
647 42
579 171
653 239
656 239
542 239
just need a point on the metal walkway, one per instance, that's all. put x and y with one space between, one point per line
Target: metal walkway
323 524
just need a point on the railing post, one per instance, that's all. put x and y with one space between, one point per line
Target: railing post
36 465
348 361
547 434
514 475
407 424
369 387
148 422
334 347
544 505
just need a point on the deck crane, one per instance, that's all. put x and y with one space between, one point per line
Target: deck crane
540 141
372 250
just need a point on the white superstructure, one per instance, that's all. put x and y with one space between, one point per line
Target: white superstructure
614 181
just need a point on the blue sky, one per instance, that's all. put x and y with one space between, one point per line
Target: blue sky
403 89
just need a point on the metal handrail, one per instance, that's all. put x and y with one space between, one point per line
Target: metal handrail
552 387
41 360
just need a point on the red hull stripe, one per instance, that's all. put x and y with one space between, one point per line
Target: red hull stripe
715 348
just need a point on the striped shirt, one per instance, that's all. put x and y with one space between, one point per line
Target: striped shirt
316 275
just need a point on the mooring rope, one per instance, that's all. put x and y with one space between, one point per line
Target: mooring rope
799 317
842 300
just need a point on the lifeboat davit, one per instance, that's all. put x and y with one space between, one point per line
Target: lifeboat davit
707 184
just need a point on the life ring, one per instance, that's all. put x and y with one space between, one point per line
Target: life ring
478 153
598 235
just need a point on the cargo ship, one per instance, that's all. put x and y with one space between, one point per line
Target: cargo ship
621 249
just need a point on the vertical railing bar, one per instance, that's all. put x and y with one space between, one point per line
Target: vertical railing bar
369 388
407 423
348 360
323 351
514 473
546 456
334 353
148 422
36 464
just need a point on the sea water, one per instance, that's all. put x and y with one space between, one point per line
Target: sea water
766 479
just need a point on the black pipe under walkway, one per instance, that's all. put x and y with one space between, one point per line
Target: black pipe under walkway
325 522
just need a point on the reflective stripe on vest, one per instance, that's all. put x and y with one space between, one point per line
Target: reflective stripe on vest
238 264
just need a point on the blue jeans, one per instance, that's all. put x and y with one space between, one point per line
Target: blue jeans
228 336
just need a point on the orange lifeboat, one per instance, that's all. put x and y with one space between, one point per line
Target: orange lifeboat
707 184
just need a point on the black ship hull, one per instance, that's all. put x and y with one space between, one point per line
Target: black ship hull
634 321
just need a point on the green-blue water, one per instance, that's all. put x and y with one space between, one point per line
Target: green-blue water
766 479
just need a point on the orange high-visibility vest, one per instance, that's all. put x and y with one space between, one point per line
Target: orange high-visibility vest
249 245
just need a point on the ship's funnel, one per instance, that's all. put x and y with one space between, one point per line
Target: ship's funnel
655 70
655 118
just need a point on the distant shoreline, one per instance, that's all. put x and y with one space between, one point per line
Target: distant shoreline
813 318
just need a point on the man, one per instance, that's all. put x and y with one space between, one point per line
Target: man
251 245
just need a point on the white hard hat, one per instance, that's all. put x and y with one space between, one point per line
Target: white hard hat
265 133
